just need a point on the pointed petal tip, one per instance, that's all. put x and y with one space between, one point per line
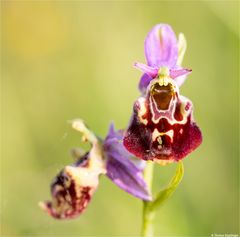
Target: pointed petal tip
174 73
111 128
135 64
113 133
139 66
189 70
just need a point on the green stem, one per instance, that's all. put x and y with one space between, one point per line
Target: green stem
148 214
150 207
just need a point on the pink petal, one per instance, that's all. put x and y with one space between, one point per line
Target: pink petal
161 46
121 169
179 72
144 82
150 71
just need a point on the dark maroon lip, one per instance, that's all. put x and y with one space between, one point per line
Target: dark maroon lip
168 132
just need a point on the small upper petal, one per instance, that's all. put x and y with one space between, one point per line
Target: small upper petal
182 46
174 73
161 47
151 71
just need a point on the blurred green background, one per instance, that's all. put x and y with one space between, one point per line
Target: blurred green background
63 60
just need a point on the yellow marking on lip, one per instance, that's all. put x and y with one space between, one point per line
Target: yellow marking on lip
157 135
165 80
142 111
170 133
163 75
161 81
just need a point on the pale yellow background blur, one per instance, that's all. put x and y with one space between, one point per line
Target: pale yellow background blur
67 59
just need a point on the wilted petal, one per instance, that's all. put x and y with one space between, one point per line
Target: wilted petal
162 126
71 191
73 187
161 47
87 134
123 171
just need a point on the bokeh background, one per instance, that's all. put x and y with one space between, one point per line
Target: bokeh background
68 59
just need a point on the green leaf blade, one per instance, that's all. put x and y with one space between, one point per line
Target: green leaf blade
166 193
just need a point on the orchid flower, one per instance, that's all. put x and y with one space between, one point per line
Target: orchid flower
162 127
73 187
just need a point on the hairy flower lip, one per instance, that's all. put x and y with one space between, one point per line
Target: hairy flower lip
162 135
176 140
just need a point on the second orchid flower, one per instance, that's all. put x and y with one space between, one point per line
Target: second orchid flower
73 187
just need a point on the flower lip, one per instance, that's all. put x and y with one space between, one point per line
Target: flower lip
161 135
